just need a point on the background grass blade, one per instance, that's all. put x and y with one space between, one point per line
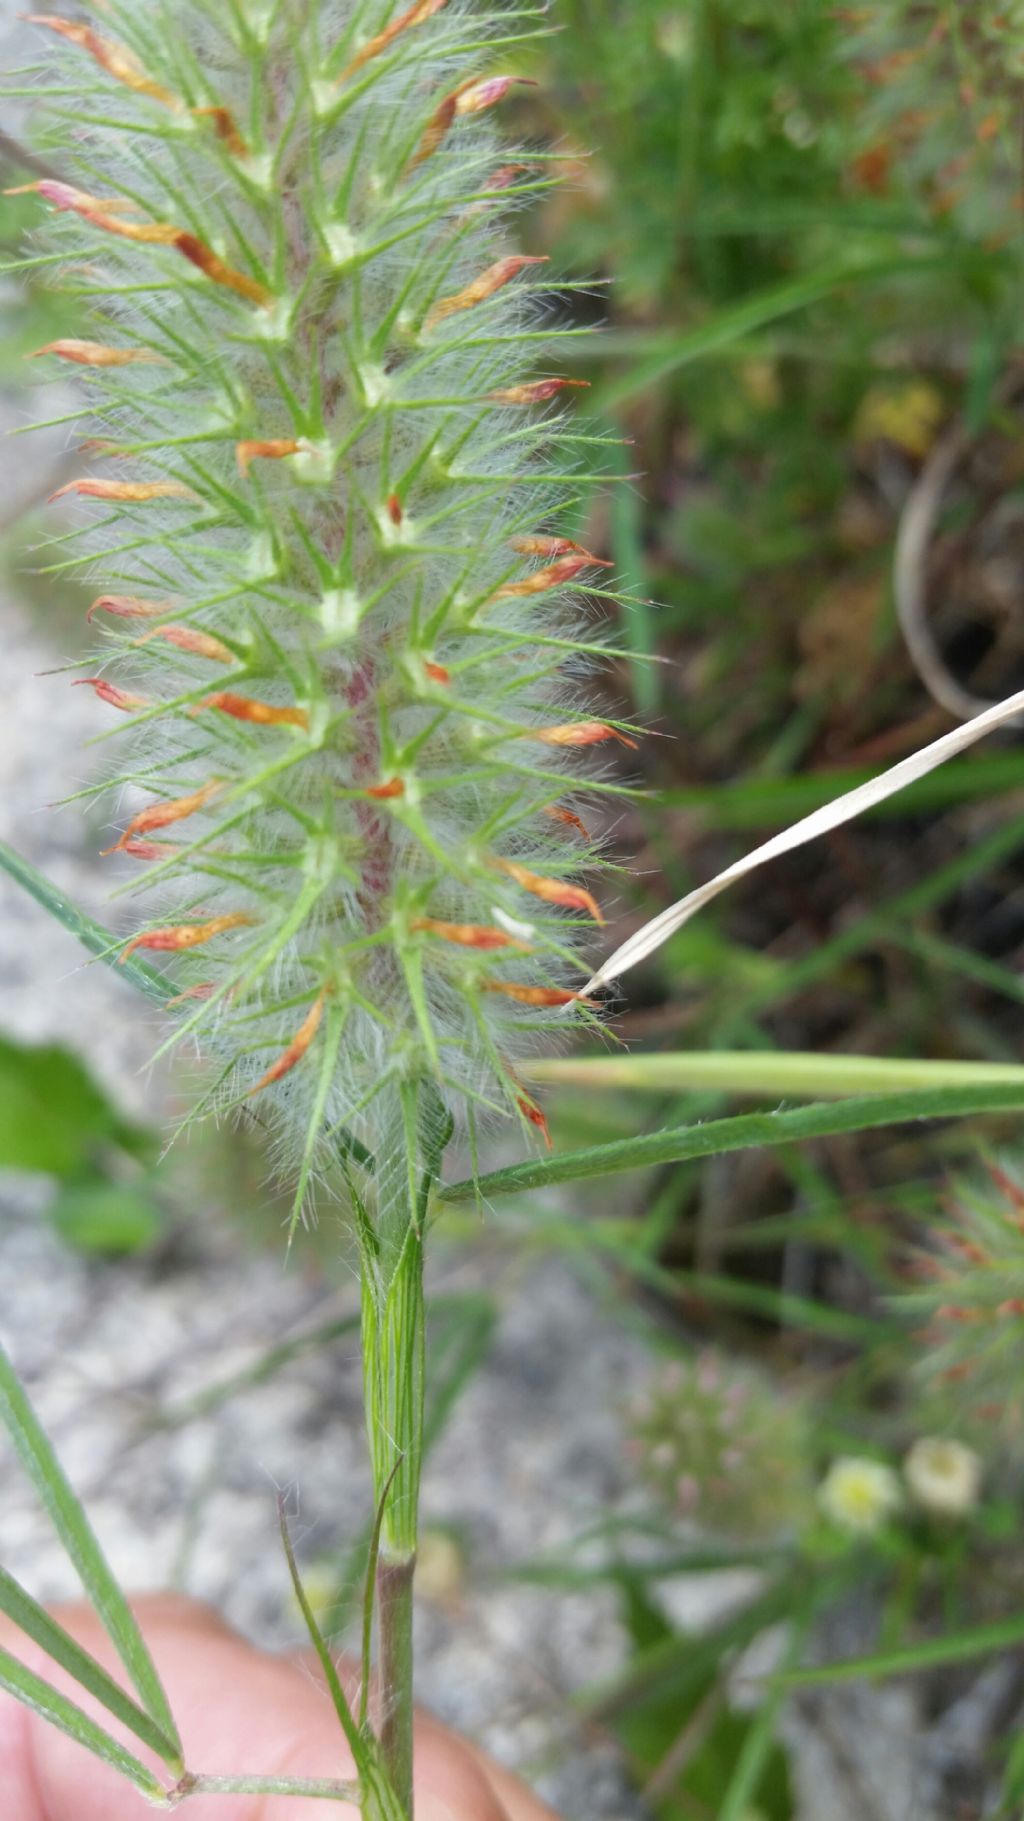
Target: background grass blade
775 1073
977 1641
92 935
681 1143
36 1623
73 1528
727 326
757 802
33 1692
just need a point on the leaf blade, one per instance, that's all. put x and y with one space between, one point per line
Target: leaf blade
683 1144
83 1550
32 1691
979 1640
92 935
37 1624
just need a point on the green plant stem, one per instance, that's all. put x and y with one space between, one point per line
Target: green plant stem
394 1616
788 1073
393 1374
326 1789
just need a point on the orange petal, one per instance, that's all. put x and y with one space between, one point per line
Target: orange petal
394 509
552 891
106 214
578 733
164 815
242 708
220 272
295 1051
381 792
472 97
183 935
554 576
500 180
468 935
63 195
483 92
127 607
129 492
108 692
275 450
96 354
189 638
436 132
438 674
101 445
487 285
144 850
103 212
202 990
116 59
552 547
226 128
537 393
533 995
531 1111
567 818
415 15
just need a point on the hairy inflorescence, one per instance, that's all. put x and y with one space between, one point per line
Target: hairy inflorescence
323 508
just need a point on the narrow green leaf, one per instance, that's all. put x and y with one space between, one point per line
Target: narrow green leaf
369 1592
627 536
780 1074
92 935
33 1692
76 1534
37 1624
681 1144
358 1743
727 326
759 1742
750 803
979 1641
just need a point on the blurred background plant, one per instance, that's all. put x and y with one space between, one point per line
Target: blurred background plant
810 216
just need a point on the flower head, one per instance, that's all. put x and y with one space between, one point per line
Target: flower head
357 702
859 1496
724 1449
944 1476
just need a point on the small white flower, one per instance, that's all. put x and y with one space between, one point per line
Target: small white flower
943 1476
859 1495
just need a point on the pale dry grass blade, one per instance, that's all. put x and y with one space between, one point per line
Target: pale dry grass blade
822 821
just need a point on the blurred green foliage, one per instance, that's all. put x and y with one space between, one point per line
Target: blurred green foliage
56 1121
